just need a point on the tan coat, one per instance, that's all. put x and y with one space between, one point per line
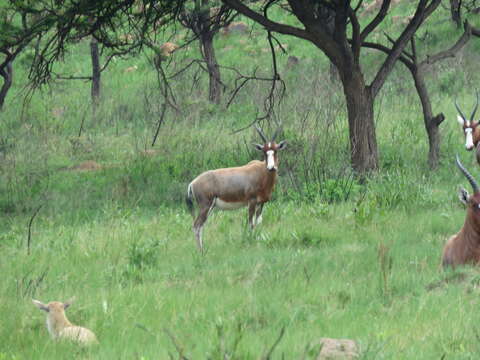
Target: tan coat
235 185
464 247
60 328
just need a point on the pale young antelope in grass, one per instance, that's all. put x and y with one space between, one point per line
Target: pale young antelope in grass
464 247
470 128
232 188
60 328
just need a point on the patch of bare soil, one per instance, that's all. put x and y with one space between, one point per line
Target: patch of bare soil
338 349
88 165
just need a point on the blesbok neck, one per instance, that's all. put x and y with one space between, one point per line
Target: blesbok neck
270 175
56 323
476 135
471 227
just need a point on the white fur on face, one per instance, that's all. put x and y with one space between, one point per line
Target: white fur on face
270 160
468 138
460 120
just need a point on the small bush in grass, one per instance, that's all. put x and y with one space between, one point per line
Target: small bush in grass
141 255
396 188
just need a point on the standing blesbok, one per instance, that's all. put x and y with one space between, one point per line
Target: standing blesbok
60 328
464 247
470 128
232 188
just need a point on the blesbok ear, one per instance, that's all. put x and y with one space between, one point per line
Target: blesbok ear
69 302
40 305
258 147
460 120
463 196
282 145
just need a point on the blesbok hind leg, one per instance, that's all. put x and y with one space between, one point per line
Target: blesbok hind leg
200 221
258 215
251 212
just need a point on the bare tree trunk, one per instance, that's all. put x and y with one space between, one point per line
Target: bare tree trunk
431 122
208 53
95 91
363 142
7 75
455 6
333 72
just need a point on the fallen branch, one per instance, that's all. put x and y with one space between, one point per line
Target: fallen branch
29 239
176 344
274 345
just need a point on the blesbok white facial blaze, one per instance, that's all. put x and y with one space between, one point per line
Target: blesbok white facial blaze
468 138
270 160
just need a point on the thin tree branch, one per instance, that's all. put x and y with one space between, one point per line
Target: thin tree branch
453 50
376 20
356 35
274 345
176 344
423 11
62 77
267 23
404 52
414 51
407 62
29 238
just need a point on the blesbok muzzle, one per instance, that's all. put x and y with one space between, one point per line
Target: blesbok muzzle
270 154
469 139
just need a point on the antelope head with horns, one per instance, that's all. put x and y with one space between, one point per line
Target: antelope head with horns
231 188
470 127
464 247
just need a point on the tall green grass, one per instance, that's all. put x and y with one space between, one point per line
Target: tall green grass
334 256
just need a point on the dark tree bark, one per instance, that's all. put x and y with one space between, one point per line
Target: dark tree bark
208 54
361 125
431 122
344 53
417 69
333 72
7 73
205 21
455 8
96 73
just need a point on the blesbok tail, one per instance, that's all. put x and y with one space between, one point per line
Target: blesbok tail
189 198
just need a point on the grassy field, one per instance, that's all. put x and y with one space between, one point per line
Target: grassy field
137 277
333 257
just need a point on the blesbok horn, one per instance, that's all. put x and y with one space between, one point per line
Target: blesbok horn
469 177
275 134
475 109
260 132
460 111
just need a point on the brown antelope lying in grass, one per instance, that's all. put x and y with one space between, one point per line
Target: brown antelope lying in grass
464 247
232 188
60 328
470 128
